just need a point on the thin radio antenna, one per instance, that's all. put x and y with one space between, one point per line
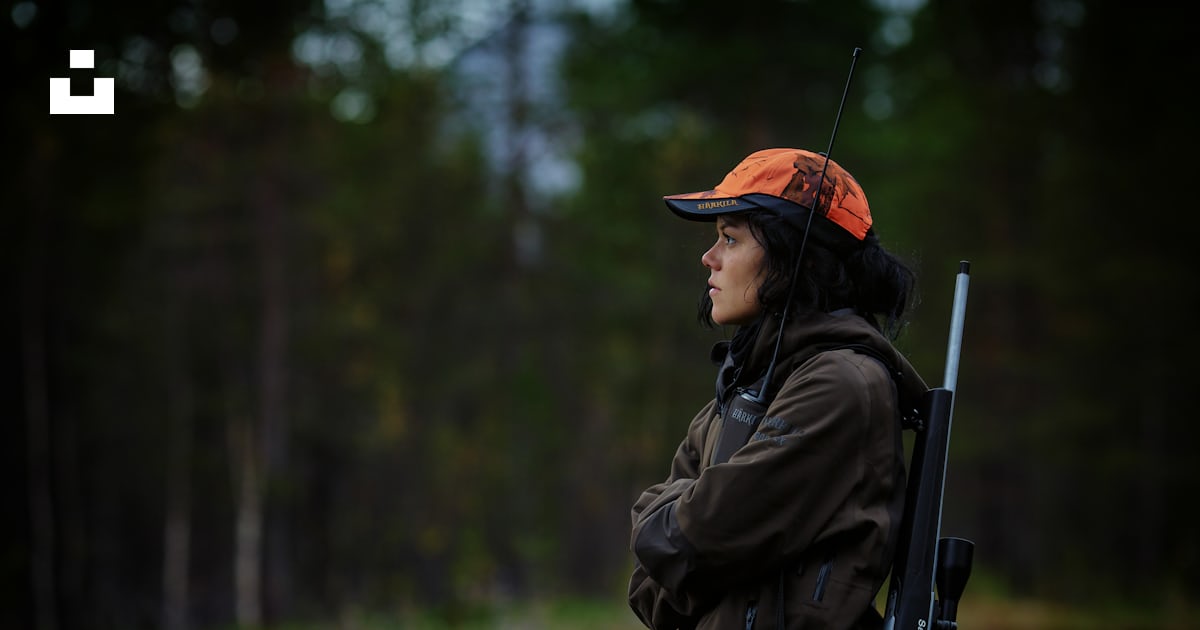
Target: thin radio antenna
761 396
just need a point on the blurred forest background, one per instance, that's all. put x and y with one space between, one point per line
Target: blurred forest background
370 310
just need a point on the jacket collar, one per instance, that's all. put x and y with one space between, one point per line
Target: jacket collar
804 336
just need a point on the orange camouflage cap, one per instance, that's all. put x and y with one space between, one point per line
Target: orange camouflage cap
779 180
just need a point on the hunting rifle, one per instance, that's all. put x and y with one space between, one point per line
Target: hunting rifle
923 560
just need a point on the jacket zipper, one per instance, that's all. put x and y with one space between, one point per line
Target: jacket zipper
751 613
822 577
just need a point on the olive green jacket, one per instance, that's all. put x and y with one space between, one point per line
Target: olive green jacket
804 516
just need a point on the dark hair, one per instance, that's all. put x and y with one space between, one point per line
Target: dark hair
861 275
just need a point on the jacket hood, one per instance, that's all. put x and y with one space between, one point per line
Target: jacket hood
809 334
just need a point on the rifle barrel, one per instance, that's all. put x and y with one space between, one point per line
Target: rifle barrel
958 315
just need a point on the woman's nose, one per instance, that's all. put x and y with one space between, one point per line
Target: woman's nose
709 259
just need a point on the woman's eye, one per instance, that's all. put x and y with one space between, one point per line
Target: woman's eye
729 239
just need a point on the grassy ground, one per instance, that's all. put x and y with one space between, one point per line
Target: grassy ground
988 613
978 612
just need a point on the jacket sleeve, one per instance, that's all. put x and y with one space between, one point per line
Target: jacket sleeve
739 519
657 607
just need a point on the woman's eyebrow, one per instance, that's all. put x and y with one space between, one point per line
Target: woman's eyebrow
725 224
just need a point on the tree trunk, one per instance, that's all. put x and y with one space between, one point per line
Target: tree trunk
272 369
247 555
37 425
177 526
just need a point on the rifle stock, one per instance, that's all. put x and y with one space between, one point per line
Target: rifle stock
922 558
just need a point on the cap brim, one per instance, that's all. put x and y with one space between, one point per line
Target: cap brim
710 204
707 205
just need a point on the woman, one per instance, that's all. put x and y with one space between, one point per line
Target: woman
783 500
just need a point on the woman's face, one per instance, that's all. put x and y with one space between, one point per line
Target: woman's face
734 265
